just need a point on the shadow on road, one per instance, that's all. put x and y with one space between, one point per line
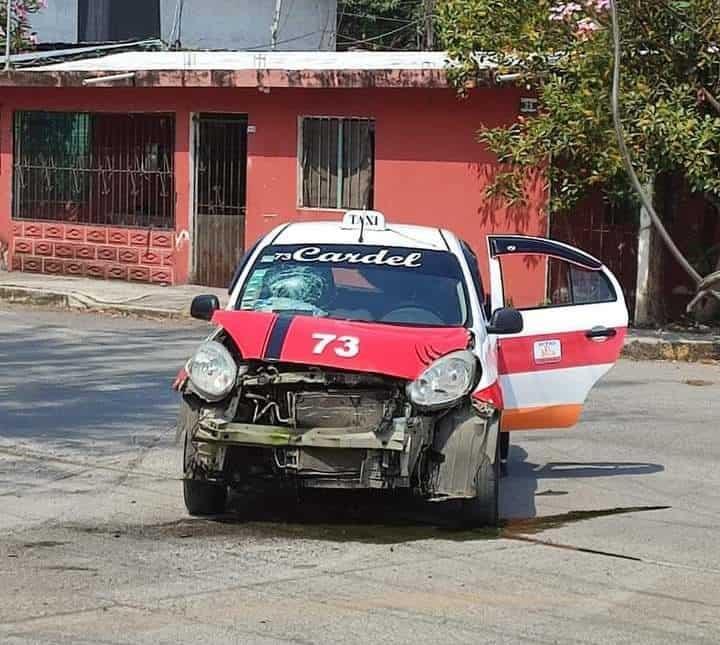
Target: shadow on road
524 478
103 384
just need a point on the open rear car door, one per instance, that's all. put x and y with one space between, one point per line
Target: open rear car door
575 321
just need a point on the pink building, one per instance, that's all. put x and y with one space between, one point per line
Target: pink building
165 166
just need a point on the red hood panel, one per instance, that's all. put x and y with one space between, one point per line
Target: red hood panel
403 352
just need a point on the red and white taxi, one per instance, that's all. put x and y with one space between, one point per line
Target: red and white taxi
365 354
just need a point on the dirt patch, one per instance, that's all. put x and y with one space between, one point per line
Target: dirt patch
396 531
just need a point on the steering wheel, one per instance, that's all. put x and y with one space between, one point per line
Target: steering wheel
407 313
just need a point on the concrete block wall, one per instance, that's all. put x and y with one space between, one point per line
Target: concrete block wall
135 254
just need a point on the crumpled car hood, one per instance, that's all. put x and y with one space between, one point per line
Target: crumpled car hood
393 350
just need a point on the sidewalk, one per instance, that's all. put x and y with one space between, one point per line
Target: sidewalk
174 302
101 295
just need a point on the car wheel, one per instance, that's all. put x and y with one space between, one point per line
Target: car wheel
204 498
483 509
201 497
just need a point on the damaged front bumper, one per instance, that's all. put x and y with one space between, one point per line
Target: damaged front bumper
396 437
321 457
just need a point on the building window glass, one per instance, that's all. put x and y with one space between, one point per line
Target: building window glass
337 162
108 169
112 20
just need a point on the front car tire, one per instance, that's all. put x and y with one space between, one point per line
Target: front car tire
201 497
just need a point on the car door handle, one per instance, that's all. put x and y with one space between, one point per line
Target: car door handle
601 332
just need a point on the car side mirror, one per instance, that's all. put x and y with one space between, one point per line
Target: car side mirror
203 307
505 321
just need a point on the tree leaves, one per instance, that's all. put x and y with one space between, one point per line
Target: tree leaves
21 35
671 52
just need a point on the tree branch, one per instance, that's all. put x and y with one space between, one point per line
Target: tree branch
711 99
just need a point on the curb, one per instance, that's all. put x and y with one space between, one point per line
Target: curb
688 351
69 300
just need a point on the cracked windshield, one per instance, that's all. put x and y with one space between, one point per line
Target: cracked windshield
365 283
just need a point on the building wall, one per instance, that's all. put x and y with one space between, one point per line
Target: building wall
305 25
429 169
58 23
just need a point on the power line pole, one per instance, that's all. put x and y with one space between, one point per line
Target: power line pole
275 24
429 9
8 28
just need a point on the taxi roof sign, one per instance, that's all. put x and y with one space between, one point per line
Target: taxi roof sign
368 220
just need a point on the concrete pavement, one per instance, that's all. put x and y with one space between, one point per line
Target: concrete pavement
610 530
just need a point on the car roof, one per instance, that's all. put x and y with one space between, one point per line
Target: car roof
395 235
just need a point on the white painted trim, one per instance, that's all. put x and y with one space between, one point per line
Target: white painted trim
565 386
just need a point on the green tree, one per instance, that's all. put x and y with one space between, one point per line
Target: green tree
21 34
386 24
563 51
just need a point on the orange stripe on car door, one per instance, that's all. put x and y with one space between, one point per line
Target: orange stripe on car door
551 416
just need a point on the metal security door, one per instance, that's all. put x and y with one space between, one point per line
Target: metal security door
220 187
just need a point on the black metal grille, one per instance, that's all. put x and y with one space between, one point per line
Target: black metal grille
108 169
338 162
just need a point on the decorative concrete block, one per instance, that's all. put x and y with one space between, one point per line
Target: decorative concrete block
117 236
52 265
150 257
96 235
53 231
32 264
43 248
107 253
140 238
95 269
161 240
84 252
64 251
73 267
32 229
139 274
75 233
129 256
117 272
161 275
23 247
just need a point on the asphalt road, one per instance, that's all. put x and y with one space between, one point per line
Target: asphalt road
610 536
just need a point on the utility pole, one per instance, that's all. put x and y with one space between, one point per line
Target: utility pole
429 9
275 24
8 28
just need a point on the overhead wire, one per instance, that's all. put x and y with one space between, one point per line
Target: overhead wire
360 41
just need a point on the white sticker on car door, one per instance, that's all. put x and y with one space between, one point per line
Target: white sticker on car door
547 351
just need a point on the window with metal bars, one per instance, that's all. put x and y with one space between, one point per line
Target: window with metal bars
337 162
108 169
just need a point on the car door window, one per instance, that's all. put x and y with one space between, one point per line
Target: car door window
540 281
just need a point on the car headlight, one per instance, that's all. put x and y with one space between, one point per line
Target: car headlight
448 379
212 371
